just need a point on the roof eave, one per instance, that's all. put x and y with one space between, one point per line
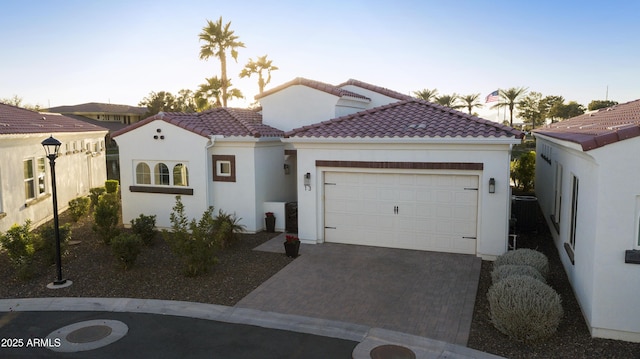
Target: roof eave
412 140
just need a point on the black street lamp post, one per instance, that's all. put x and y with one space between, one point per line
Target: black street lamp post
51 147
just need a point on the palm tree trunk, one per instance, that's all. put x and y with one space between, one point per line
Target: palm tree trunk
223 65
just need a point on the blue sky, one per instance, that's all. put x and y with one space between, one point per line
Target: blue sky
70 52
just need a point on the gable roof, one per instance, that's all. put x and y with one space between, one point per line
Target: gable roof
222 121
17 120
96 107
598 129
321 86
378 89
409 118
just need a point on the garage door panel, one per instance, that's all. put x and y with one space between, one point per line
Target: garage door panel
434 212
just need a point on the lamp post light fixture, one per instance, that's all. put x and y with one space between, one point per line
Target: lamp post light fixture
51 147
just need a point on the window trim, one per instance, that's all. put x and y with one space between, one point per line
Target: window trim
152 166
38 181
224 177
570 245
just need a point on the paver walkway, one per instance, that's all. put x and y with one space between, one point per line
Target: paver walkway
422 293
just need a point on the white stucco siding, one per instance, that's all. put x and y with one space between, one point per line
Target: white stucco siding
493 208
617 284
377 99
76 173
178 146
297 106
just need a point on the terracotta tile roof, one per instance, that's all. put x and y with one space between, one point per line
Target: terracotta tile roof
597 129
109 125
95 107
219 121
378 89
331 89
16 120
410 118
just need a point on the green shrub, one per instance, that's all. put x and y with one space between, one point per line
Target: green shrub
95 193
508 270
106 217
523 171
524 308
126 247
196 249
145 228
19 243
79 207
111 186
227 228
47 244
527 257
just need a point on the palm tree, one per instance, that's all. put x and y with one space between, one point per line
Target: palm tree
426 94
470 101
217 40
450 101
256 67
209 94
509 98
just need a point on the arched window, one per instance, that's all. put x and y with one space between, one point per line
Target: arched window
161 174
180 175
143 173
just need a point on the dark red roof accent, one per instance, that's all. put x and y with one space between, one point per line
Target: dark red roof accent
96 107
223 121
17 120
410 118
597 129
321 86
378 89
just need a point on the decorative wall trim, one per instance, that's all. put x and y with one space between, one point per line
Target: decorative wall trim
290 152
216 176
467 166
165 190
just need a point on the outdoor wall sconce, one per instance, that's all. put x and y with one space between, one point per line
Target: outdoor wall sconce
307 181
286 169
492 185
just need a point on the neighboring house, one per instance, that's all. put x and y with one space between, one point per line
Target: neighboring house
225 158
587 186
106 112
25 182
367 165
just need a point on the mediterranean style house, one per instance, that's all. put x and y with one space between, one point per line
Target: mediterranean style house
365 164
25 182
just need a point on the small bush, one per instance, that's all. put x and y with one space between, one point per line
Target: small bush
527 257
524 308
111 186
79 207
126 247
47 243
523 171
20 243
95 193
227 228
508 270
145 228
106 217
196 249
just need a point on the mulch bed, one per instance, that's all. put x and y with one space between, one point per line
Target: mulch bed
157 274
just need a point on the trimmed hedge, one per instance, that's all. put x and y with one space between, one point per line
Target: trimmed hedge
525 256
508 270
125 248
524 308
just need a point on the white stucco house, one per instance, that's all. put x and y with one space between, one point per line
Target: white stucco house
225 158
587 186
365 164
25 176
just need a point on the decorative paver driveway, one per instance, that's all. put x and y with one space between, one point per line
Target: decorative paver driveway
421 293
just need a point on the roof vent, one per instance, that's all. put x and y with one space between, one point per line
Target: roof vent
43 118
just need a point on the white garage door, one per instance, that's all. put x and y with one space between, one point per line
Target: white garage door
411 211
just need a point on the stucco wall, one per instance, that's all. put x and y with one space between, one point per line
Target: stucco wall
297 106
493 208
178 145
608 211
76 173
